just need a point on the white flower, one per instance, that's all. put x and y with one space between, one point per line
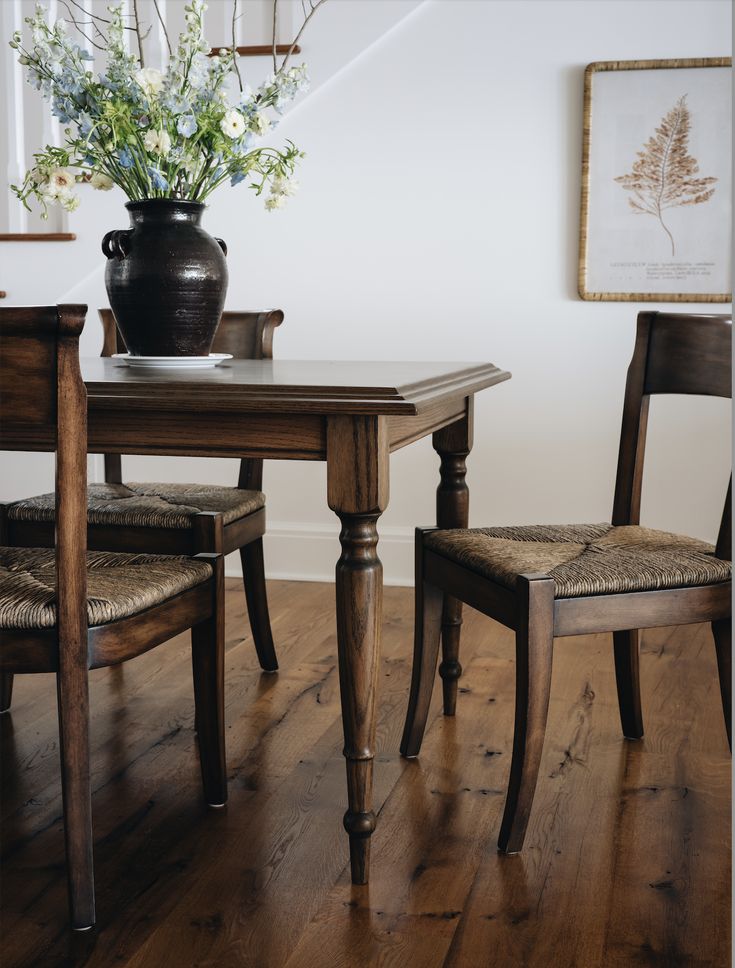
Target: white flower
284 186
60 182
150 80
69 202
157 142
58 188
260 123
233 124
275 201
101 182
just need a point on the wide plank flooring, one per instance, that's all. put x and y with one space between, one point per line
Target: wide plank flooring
627 859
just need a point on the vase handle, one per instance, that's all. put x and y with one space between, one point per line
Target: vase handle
116 243
222 244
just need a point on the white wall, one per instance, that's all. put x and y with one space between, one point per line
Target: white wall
438 220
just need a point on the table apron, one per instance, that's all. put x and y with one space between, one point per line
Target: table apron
208 434
274 436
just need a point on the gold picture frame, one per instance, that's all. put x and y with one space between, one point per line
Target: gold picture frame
638 164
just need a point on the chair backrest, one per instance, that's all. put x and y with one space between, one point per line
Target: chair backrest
674 353
43 407
247 335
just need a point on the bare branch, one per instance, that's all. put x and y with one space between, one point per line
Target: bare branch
234 44
314 8
163 25
137 31
79 27
275 32
92 16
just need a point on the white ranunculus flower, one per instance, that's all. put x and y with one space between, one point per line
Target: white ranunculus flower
233 124
101 182
150 80
157 142
260 123
59 189
60 181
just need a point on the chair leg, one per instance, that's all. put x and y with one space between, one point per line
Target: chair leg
253 571
722 631
427 631
208 663
450 668
73 703
627 676
6 691
534 647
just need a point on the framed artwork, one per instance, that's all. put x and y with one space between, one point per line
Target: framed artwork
657 181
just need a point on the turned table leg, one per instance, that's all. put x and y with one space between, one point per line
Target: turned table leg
453 444
357 484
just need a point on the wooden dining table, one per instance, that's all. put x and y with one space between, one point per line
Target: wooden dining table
352 415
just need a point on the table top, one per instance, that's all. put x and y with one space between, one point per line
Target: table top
287 386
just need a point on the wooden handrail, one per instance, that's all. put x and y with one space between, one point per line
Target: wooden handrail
37 236
256 50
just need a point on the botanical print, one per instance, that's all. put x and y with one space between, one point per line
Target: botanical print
662 178
656 142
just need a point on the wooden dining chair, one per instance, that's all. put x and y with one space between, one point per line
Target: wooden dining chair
545 580
66 610
168 518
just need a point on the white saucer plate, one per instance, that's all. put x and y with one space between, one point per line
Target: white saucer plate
172 362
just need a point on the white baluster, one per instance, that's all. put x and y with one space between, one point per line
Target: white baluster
13 146
51 131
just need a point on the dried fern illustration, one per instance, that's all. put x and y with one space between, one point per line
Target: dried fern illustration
663 175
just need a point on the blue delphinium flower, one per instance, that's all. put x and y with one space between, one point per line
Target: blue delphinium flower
241 146
157 179
69 83
85 123
176 103
106 82
64 109
125 157
186 125
238 177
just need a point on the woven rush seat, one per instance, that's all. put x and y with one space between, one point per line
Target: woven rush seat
118 585
584 559
136 505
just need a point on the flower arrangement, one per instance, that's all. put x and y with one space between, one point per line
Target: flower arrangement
179 133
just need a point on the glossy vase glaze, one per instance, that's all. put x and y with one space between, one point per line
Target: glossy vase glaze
166 279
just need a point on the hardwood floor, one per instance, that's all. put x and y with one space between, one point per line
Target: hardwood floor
626 859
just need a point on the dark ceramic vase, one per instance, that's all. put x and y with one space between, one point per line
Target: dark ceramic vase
166 279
